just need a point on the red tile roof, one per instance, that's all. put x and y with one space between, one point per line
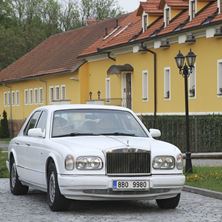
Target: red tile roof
151 7
207 11
56 54
128 28
176 22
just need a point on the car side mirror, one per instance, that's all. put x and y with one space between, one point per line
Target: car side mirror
36 132
155 133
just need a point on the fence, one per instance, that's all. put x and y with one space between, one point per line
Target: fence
205 131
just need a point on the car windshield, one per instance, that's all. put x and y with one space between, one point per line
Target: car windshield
95 122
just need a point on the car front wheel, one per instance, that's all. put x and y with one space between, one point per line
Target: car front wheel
56 200
170 203
16 186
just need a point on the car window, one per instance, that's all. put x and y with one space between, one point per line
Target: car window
32 122
93 121
42 121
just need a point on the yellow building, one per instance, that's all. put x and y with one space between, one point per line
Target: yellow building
128 61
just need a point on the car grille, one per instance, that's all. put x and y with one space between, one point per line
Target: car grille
128 162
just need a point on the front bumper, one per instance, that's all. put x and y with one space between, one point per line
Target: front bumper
99 187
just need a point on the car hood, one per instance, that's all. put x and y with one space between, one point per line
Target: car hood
96 144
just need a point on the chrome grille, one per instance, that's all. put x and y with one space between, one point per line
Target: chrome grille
125 163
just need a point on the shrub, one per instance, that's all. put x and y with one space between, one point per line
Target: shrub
4 129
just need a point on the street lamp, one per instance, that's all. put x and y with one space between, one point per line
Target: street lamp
185 69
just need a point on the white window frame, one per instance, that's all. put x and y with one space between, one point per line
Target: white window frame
26 97
5 99
57 87
9 98
166 8
41 96
63 93
143 21
108 89
13 98
167 70
17 98
145 88
190 84
190 9
219 77
31 95
36 96
219 6
51 94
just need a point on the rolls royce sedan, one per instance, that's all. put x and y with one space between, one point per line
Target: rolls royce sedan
93 152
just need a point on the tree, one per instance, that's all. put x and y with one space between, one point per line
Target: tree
4 132
26 23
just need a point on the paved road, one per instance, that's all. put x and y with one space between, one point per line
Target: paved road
33 207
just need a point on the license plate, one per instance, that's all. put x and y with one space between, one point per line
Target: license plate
133 185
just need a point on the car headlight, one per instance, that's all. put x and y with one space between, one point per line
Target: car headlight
164 162
179 162
69 162
89 163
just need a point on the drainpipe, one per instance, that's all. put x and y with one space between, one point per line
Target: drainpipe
144 48
10 108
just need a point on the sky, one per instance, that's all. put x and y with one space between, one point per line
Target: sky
129 5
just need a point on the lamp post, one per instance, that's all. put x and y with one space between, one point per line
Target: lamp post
185 69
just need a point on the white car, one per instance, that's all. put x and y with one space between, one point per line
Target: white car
92 152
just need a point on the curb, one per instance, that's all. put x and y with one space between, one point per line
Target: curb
203 192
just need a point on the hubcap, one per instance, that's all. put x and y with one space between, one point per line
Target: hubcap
13 175
52 187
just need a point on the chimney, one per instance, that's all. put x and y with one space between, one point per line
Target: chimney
117 23
91 21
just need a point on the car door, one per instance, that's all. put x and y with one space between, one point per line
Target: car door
35 150
21 147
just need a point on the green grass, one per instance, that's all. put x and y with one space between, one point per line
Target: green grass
206 177
3 168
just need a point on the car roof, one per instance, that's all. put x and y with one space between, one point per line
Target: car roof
80 106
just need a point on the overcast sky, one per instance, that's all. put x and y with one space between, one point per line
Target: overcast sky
129 5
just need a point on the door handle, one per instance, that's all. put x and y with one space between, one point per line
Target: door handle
27 144
17 143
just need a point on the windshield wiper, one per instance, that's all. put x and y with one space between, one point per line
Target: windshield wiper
118 134
76 134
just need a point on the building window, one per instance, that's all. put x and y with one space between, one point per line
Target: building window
40 95
167 16
192 83
17 99
30 96
167 92
145 85
5 98
57 93
192 9
219 78
13 98
145 22
219 5
9 98
108 89
26 97
51 93
63 92
36 96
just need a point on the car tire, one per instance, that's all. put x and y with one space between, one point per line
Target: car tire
170 203
16 186
56 201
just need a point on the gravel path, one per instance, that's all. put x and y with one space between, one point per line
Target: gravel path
33 207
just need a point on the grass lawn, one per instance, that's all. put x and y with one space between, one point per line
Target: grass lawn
3 168
206 177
